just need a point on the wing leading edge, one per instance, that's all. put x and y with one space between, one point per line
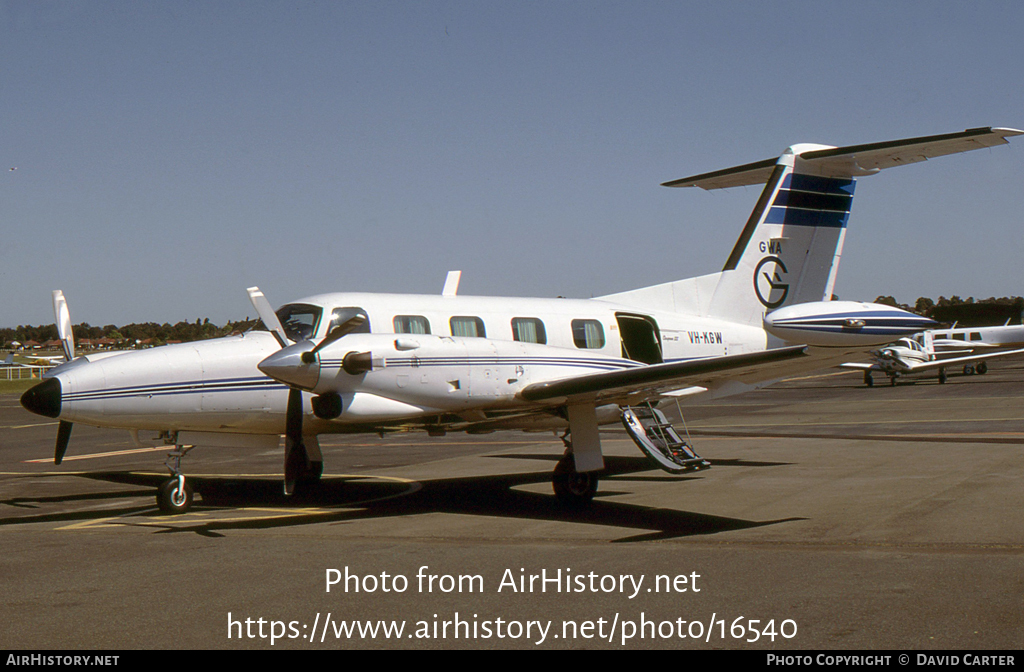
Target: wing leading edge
660 378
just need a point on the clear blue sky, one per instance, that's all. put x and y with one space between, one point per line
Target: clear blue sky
171 154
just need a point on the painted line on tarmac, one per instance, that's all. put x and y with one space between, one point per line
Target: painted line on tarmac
843 423
261 513
114 453
248 513
38 424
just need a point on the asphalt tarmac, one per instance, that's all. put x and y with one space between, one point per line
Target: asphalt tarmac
834 517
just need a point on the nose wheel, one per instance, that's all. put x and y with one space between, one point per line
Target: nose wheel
175 495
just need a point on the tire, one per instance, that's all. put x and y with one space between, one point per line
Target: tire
868 380
171 501
942 376
573 488
981 368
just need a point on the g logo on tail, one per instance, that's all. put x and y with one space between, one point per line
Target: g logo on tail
768 281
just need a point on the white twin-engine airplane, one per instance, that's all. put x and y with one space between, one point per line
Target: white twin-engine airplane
347 362
970 347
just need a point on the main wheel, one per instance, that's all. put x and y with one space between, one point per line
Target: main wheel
868 380
942 376
173 500
572 487
982 368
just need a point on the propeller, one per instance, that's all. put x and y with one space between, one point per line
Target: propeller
63 437
63 322
62 317
267 314
296 459
346 327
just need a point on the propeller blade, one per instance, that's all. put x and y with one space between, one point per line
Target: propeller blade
63 321
296 459
346 327
267 314
63 436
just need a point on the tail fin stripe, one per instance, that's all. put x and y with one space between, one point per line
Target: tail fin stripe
815 183
809 200
799 217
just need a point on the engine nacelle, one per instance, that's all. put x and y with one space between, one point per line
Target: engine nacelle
843 323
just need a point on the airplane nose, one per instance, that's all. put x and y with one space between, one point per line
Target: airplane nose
287 366
44 398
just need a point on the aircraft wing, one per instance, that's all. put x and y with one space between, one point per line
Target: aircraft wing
656 379
855 160
925 366
861 366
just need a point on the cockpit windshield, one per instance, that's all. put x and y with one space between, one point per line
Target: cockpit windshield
300 320
912 344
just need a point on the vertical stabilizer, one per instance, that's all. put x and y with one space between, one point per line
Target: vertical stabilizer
790 248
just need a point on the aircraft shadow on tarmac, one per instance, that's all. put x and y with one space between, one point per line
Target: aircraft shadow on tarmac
353 498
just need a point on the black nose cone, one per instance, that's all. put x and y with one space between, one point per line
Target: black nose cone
44 398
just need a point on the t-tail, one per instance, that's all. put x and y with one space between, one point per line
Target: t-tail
790 248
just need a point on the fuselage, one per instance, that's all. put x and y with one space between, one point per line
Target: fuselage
215 385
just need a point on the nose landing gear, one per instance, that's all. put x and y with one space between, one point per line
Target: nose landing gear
175 495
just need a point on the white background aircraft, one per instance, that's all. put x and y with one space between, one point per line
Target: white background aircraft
941 349
351 362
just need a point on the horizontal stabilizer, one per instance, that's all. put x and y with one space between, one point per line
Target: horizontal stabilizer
854 160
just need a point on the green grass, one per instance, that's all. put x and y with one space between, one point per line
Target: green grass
17 386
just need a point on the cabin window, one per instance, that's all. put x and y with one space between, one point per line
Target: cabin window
411 324
946 336
975 335
468 326
587 334
528 330
340 316
959 337
299 320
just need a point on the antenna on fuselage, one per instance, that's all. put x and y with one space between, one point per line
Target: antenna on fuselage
451 283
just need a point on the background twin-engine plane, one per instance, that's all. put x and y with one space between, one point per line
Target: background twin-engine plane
354 362
941 349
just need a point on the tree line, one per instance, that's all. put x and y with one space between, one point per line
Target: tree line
965 312
129 334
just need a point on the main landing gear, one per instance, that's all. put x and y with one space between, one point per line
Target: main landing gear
175 495
573 488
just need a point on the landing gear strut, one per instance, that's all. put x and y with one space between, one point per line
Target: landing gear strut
175 495
573 488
